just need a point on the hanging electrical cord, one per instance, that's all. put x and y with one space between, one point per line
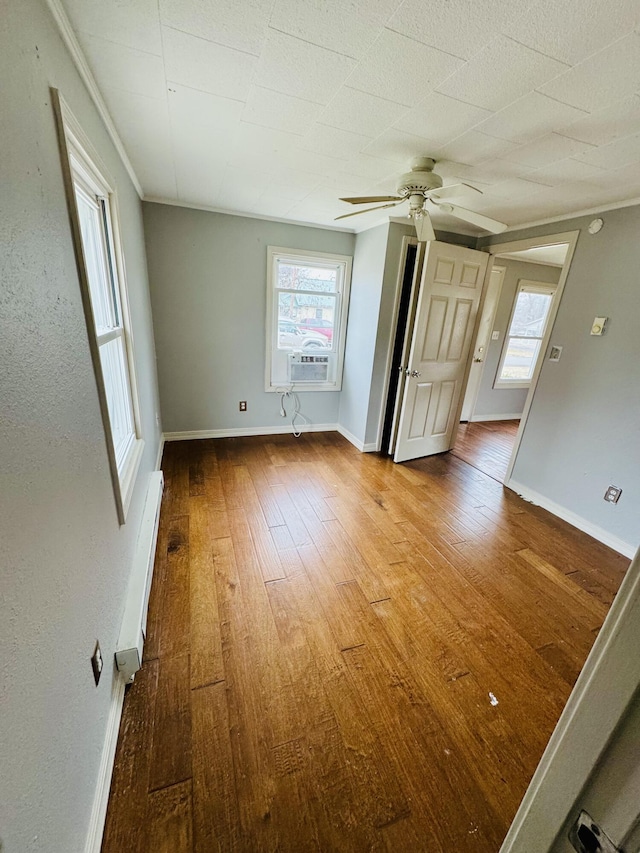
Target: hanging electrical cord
290 395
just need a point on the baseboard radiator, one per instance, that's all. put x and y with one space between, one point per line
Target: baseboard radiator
134 622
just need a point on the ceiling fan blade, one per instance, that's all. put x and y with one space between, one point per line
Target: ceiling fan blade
424 228
368 210
474 218
451 191
371 199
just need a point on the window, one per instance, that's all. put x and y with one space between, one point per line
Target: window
307 299
529 321
93 211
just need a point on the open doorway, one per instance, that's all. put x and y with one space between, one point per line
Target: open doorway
520 301
508 339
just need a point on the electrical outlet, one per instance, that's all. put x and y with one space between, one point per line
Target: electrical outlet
587 837
555 353
97 663
612 495
242 405
495 336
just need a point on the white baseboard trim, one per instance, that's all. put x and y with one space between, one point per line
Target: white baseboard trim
237 432
160 449
101 797
508 417
362 447
572 518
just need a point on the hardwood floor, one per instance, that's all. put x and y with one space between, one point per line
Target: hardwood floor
345 654
487 445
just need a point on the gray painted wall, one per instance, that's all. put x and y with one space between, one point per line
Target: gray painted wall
207 273
501 401
583 431
364 310
64 561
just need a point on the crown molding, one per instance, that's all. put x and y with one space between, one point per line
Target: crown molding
73 46
576 214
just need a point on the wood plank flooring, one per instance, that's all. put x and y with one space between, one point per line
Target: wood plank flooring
346 654
487 445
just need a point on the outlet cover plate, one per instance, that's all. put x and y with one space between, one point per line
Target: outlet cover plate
555 353
612 495
587 837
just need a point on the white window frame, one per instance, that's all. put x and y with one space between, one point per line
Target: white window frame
527 286
297 256
83 171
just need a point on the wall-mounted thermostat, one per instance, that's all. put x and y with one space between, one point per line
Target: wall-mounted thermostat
595 226
598 326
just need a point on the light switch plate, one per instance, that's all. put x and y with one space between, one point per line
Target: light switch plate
598 326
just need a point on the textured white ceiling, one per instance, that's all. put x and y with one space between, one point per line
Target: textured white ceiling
277 108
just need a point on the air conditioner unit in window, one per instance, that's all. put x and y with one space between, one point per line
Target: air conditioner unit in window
308 368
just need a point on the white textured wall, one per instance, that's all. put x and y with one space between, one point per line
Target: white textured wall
208 287
64 561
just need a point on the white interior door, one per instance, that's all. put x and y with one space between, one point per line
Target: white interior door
485 327
450 292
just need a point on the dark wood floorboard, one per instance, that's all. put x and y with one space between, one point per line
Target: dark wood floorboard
344 654
487 445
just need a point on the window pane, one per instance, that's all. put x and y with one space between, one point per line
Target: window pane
305 321
98 273
116 384
110 261
530 314
520 359
301 277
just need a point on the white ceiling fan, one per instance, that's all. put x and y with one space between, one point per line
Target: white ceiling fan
422 185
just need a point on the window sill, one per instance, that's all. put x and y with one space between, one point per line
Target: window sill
503 386
129 475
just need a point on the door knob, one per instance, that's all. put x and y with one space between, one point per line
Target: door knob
415 373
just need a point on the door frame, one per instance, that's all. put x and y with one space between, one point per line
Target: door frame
495 266
571 239
407 241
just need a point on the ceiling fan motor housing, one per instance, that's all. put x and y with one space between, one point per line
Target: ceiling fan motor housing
420 179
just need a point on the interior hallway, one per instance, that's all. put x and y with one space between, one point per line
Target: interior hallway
487 445
344 654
